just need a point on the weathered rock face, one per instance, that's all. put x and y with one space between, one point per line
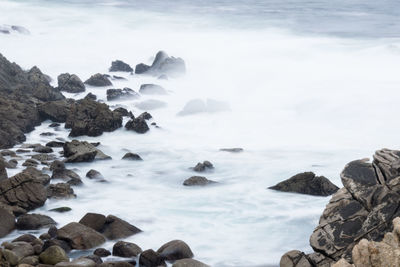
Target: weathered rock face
56 111
80 236
60 190
152 89
163 65
41 89
77 151
98 80
88 117
7 222
307 183
24 191
138 125
118 94
119 65
70 83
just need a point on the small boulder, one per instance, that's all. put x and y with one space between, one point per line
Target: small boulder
93 174
131 156
34 221
124 112
194 263
43 149
121 94
145 116
126 249
80 262
60 172
116 228
61 209
175 250
307 183
295 258
150 258
80 236
55 144
102 252
119 65
82 151
91 96
98 80
138 125
202 167
53 255
70 83
60 191
57 242
163 65
152 89
94 220
198 181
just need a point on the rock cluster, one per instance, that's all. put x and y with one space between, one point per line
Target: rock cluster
163 65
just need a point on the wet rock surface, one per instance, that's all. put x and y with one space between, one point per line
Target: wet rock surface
163 65
119 65
137 125
98 80
198 181
80 236
34 221
121 94
175 250
126 249
70 83
82 151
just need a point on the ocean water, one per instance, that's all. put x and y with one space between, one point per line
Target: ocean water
311 85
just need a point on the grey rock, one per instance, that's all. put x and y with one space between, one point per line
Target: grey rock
137 125
34 221
152 89
80 236
70 83
119 65
121 94
60 191
198 181
175 250
98 80
131 156
126 249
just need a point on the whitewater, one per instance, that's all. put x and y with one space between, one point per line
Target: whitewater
309 87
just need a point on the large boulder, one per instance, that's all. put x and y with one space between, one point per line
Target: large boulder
70 83
138 125
126 249
175 250
42 90
80 236
98 80
307 183
82 151
119 65
34 221
121 94
88 117
163 65
7 222
94 220
24 191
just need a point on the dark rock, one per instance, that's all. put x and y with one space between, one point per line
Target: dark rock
195 263
163 64
307 183
131 156
53 231
42 90
132 263
119 65
60 172
88 117
30 163
80 236
56 111
114 77
93 174
91 96
150 258
94 220
137 125
124 112
70 83
42 149
53 255
126 249
116 228
44 157
295 258
55 144
79 262
60 190
102 252
61 209
118 94
23 151
77 151
11 164
47 134
7 152
22 190
197 181
54 125
175 250
145 116
233 150
152 89
57 242
33 221
95 258
98 80
7 222
37 175
25 238
202 167
3 171
45 236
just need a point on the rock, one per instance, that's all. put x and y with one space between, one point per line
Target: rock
57 242
60 190
88 117
131 156
53 232
102 252
44 157
77 151
152 89
193 263
94 220
195 106
7 222
95 258
118 264
10 257
80 262
151 104
126 249
29 261
60 172
54 125
202 167
30 163
137 125
3 171
294 258
98 80
342 263
33 221
150 258
45 236
53 255
80 236
233 150
91 96
23 151
43 149
42 89
19 249
175 250
70 83
25 238
307 183
11 164
121 94
56 111
163 64
7 152
145 116
55 144
114 77
197 180
61 209
119 65
116 228
47 134
93 174
22 190
34 173
124 112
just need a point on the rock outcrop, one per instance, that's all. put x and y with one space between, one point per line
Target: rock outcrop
119 65
82 151
98 80
198 181
163 65
138 125
70 83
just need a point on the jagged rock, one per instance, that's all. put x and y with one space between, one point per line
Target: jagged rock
131 156
198 180
175 250
163 64
44 157
98 80
124 112
70 83
39 176
82 151
150 258
7 222
56 111
294 258
60 190
126 249
202 167
138 125
22 190
145 116
152 89
119 65
91 96
102 252
53 255
80 236
34 221
121 94
88 117
93 174
191 263
307 183
60 172
42 90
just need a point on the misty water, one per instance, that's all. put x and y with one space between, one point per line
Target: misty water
310 85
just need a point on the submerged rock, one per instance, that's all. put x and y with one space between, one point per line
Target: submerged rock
131 156
98 80
202 167
121 94
232 150
195 263
138 125
152 89
307 183
163 65
119 65
70 83
93 174
197 180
